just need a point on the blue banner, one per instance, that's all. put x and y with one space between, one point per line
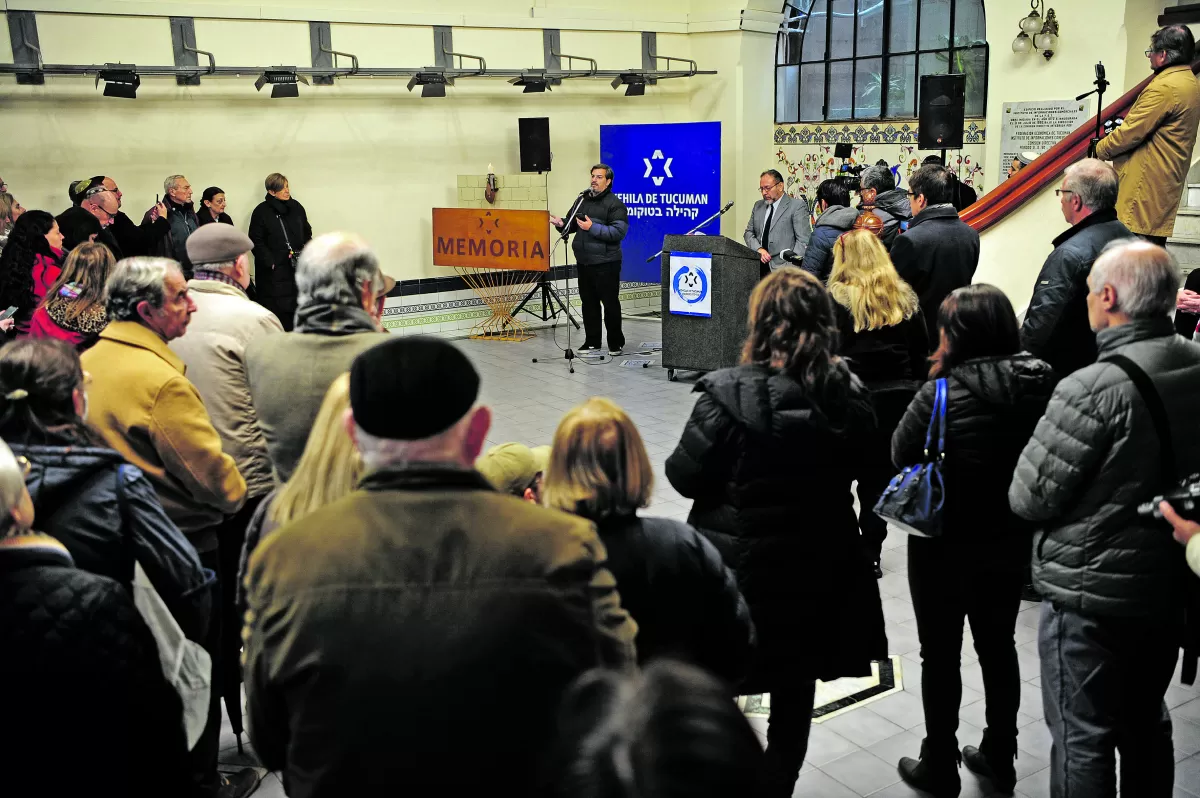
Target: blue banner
669 176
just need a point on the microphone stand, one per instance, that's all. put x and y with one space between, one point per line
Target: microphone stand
1101 85
563 238
716 215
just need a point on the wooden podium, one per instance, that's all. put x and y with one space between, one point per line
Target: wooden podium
694 343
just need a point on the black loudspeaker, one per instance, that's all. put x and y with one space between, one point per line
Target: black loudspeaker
535 143
940 116
843 149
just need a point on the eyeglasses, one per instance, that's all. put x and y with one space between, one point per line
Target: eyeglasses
1150 52
765 189
1058 192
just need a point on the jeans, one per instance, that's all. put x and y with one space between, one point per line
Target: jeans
203 758
787 735
1103 683
600 284
946 588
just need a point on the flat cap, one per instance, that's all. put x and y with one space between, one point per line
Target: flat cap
411 388
512 467
217 243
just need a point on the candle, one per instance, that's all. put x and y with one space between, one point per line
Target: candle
490 169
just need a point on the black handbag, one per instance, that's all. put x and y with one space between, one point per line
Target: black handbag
913 500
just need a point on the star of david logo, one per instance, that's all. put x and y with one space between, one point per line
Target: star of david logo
666 167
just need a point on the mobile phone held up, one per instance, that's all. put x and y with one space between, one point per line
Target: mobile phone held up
8 313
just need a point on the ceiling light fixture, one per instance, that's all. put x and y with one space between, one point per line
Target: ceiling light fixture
283 82
120 80
533 82
635 84
432 83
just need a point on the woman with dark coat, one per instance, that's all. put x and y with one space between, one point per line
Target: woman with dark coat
101 508
29 265
279 229
833 201
673 583
886 343
768 455
212 207
87 710
975 570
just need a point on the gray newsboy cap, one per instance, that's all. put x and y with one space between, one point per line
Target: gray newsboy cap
217 243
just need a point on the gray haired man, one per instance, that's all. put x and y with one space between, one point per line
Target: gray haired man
778 224
1056 327
181 217
145 408
1112 580
339 309
878 194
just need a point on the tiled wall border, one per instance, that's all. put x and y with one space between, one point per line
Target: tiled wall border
974 132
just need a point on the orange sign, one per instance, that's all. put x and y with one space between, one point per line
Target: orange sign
489 238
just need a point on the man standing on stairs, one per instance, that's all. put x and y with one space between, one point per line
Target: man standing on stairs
1152 149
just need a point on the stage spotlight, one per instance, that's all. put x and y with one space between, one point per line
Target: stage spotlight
533 82
119 81
283 83
635 84
433 84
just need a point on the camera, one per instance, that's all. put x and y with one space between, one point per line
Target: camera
848 176
1185 499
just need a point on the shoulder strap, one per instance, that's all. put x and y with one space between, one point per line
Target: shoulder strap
937 421
1158 413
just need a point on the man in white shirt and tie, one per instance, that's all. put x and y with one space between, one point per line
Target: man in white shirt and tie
779 224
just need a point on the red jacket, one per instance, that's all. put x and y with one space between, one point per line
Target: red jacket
42 326
46 271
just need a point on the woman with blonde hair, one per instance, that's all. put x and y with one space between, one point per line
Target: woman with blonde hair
10 211
768 456
672 581
73 310
886 342
328 469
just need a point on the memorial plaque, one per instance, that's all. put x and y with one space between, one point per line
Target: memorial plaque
1037 126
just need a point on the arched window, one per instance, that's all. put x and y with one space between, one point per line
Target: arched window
834 57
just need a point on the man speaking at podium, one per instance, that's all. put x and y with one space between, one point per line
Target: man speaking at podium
778 222
599 225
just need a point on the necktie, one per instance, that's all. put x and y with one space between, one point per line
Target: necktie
766 236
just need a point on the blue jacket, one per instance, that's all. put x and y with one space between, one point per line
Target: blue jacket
818 258
107 515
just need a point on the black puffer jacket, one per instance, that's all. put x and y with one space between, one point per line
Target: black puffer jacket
770 471
106 526
938 254
87 709
279 230
1056 327
993 405
610 222
685 600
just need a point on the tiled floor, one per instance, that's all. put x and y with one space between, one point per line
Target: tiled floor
854 754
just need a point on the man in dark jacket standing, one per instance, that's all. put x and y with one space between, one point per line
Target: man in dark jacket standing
438 596
877 193
182 221
130 240
940 252
1056 327
279 229
1112 580
599 225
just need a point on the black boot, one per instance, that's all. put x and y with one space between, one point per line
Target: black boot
934 773
993 762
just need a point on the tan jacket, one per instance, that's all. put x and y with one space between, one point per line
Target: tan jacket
1152 151
214 348
147 410
424 595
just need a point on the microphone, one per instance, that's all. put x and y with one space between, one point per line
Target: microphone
727 207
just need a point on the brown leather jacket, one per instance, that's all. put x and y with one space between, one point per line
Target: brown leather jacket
420 632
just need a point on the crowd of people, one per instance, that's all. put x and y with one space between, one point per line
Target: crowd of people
202 492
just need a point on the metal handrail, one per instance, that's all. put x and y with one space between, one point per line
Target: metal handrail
670 58
570 58
461 56
212 61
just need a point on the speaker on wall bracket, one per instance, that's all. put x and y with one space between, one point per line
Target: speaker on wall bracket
941 112
535 143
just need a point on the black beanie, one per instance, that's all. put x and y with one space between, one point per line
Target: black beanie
411 388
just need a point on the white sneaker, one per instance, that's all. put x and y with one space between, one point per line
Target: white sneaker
615 352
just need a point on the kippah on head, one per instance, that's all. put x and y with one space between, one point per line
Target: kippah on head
411 388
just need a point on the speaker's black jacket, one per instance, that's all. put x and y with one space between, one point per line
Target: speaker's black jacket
610 223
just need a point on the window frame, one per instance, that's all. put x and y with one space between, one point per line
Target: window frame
791 8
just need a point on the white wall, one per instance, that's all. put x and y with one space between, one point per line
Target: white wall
363 155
